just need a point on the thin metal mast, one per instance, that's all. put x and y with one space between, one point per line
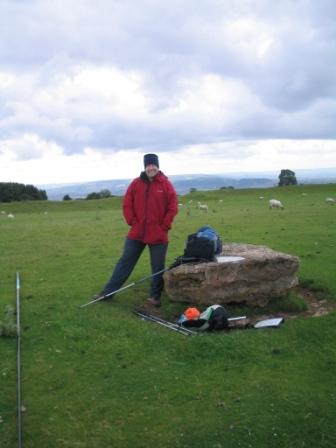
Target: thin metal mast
18 362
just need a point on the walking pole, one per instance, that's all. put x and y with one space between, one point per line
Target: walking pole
18 361
164 323
123 288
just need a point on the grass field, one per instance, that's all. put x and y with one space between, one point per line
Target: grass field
101 377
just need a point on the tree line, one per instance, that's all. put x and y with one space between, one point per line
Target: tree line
102 194
286 177
12 191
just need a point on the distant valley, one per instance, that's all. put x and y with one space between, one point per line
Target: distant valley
183 183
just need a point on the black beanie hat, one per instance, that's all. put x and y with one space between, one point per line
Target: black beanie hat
151 159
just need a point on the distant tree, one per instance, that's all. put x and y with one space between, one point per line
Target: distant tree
93 195
67 198
105 193
223 188
192 190
287 177
12 191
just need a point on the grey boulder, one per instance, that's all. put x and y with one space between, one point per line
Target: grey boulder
244 273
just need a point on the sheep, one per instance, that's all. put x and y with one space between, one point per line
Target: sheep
203 207
180 204
261 197
330 200
3 212
10 215
274 203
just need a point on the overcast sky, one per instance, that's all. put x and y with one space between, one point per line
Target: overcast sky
212 86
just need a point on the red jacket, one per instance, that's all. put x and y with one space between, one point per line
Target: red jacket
149 208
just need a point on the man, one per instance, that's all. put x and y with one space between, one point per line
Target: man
149 208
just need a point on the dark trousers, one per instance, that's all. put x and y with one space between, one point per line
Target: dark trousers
131 254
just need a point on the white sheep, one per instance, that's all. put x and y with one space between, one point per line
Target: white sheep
203 207
330 200
274 203
10 215
180 204
261 197
3 212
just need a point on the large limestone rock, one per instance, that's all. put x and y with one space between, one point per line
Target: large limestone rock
243 273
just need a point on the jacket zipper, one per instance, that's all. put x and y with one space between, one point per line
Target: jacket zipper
146 203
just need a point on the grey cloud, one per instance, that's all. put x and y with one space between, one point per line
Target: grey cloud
167 42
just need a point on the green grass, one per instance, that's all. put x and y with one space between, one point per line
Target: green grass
101 377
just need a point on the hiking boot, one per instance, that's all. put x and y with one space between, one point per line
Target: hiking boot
97 296
154 302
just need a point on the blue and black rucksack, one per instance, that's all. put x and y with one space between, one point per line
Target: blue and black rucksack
205 244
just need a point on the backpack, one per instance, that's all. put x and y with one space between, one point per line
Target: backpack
218 319
204 244
213 318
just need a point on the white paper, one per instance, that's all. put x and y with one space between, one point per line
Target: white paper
228 259
275 322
